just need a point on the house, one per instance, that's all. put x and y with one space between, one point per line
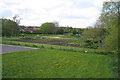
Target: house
29 28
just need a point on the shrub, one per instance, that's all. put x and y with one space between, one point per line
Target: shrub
34 45
26 45
42 46
12 43
75 32
60 31
18 43
91 44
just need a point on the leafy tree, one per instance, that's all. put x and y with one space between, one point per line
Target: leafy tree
9 28
106 27
37 31
48 28
65 29
93 33
74 31
80 31
70 29
60 30
110 18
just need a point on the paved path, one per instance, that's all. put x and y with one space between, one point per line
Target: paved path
11 48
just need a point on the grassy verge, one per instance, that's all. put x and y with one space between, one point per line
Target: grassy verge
51 63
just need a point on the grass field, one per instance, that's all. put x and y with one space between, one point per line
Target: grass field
51 63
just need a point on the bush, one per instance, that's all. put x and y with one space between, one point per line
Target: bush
12 43
35 46
26 45
75 32
91 44
42 46
60 31
51 47
72 35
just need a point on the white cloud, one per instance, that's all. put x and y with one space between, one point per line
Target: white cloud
66 12
99 2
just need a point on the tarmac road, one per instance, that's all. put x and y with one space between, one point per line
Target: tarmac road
10 48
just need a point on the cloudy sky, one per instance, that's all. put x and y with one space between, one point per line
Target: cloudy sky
75 13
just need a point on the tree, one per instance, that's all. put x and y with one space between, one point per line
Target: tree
60 30
74 31
16 19
37 31
56 26
48 28
70 29
93 37
9 28
93 33
80 31
56 23
110 17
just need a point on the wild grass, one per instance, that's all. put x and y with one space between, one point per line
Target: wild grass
52 63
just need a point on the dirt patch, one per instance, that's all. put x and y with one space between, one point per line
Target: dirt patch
74 45
44 41
51 41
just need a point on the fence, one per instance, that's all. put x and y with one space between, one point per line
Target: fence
58 47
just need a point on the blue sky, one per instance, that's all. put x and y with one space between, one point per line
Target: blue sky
75 13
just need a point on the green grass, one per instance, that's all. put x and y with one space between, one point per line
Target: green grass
51 63
29 44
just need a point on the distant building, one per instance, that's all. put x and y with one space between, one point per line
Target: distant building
29 28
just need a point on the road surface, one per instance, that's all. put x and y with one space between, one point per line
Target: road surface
11 48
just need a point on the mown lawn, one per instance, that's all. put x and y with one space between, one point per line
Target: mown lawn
51 63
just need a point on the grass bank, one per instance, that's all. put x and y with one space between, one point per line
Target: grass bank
51 63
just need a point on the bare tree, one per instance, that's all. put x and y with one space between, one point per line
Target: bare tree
16 18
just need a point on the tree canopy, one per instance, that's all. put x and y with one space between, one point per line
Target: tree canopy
110 17
48 28
94 33
106 27
9 28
